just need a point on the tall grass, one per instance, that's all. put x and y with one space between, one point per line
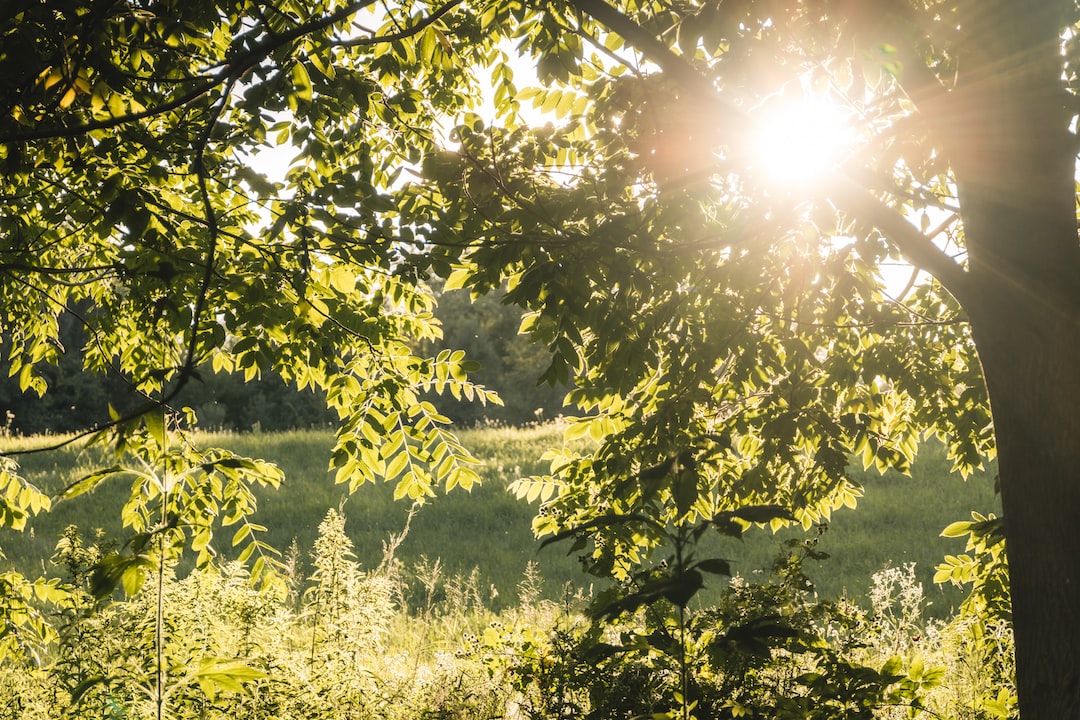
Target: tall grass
898 520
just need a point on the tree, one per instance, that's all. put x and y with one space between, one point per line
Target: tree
77 400
74 400
487 330
729 334
732 354
127 132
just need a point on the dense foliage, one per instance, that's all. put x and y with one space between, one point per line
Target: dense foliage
726 330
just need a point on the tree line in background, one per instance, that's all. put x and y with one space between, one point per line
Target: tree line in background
486 329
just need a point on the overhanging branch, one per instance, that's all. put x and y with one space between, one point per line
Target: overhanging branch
916 248
403 33
656 51
233 69
652 48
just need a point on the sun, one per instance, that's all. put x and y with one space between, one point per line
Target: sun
796 142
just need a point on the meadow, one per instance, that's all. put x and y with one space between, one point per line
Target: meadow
484 535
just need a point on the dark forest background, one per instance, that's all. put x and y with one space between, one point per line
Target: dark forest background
486 329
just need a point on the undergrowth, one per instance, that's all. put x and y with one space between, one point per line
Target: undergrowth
332 641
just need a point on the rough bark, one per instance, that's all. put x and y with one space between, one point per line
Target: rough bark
1029 359
1015 164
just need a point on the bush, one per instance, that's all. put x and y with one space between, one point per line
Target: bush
341 643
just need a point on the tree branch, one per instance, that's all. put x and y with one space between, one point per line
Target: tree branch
187 369
402 33
651 47
53 133
673 65
917 249
202 176
231 71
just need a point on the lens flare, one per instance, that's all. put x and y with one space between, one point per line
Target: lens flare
799 141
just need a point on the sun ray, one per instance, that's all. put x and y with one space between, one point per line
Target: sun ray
799 140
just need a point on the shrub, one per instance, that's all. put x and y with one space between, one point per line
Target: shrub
346 646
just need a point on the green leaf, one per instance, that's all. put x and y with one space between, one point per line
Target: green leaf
458 279
680 589
241 534
397 465
216 675
155 425
893 667
957 529
91 481
342 279
85 686
685 488
301 82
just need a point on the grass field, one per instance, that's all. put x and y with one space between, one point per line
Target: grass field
898 520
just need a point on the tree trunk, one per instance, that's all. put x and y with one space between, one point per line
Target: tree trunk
1030 360
1015 166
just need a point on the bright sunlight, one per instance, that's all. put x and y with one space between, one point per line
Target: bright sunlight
797 141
